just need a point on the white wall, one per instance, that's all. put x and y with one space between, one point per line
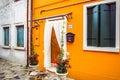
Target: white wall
15 13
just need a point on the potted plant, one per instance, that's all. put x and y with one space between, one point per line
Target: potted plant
33 58
62 64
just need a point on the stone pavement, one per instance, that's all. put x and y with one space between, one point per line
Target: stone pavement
14 71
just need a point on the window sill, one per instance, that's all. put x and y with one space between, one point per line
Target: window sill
6 47
103 49
20 48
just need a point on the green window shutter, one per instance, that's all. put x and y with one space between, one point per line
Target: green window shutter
107 25
6 36
113 25
20 36
92 26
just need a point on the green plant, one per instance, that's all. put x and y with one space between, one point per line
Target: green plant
62 64
33 58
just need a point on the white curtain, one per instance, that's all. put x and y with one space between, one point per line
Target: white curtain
47 46
57 25
58 30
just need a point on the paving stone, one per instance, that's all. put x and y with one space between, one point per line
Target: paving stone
2 73
14 71
17 77
2 76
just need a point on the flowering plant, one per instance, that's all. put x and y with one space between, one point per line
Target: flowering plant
62 64
33 58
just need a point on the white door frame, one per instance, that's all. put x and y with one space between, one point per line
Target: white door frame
57 25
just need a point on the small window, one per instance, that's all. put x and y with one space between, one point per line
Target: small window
20 36
6 36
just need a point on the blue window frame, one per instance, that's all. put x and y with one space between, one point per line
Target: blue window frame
6 36
20 36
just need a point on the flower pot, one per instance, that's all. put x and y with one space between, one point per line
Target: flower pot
34 66
62 76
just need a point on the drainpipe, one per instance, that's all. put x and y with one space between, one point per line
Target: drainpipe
27 33
31 18
29 28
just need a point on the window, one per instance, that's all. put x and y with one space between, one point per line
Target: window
20 36
6 36
101 26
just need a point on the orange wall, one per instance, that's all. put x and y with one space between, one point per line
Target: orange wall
86 65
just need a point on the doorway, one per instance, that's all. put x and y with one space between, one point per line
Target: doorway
52 40
55 48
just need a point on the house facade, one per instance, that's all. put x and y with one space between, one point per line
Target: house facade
13 28
95 50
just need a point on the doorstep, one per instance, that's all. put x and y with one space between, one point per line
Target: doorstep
51 69
45 75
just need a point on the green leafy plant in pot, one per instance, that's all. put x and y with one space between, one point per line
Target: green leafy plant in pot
62 64
33 58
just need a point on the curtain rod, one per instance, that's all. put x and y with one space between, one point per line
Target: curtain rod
54 16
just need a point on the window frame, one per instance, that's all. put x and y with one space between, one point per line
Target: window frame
20 47
105 49
3 40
